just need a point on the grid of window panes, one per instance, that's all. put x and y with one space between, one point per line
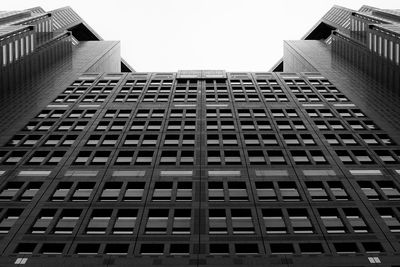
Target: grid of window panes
148 164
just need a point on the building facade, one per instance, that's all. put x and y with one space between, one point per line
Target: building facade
201 167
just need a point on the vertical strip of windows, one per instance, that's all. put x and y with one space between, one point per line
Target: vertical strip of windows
391 50
4 55
370 41
380 45
397 54
385 48
26 44
375 43
16 46
10 50
31 37
22 46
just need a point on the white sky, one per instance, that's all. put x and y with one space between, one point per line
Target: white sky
169 35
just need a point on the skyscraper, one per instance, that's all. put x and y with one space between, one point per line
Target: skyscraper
199 167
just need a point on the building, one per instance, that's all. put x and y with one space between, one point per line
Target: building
203 167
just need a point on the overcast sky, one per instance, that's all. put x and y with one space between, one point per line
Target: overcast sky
170 35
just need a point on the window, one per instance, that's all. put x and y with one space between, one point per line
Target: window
134 191
10 191
52 248
43 221
14 157
125 221
317 191
247 125
372 247
369 139
237 191
111 191
389 190
157 221
131 140
356 220
179 249
311 248
67 221
152 249
269 139
300 221
300 157
246 249
265 191
369 190
386 157
25 248
124 158
99 221
390 218
332 139
346 248
87 249
216 191
15 140
318 157
162 191
62 191
30 191
355 125
251 139
181 222
168 157
256 157
219 249
242 222
288 191
31 140
332 221
144 158
362 156
184 191
217 223
149 140
231 157
291 139
9 219
110 140
38 157
55 140
82 158
338 190
282 248
83 191
345 157
274 221
229 140
276 157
